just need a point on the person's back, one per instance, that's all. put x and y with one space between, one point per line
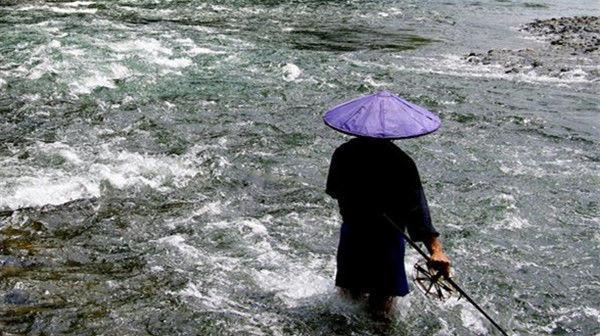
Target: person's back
370 177
373 181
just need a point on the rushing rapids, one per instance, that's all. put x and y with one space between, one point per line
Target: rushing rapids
162 163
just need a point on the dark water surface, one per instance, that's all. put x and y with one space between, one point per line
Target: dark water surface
162 164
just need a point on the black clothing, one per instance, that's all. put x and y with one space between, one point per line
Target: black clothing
370 177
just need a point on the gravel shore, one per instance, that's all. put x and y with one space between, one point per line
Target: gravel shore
567 37
579 34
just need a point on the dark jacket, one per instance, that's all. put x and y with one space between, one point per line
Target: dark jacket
370 177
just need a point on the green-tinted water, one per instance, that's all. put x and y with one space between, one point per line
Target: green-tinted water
162 164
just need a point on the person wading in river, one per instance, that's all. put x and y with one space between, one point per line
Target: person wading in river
371 178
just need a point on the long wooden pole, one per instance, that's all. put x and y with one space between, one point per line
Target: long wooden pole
448 279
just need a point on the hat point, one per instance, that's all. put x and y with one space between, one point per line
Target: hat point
384 93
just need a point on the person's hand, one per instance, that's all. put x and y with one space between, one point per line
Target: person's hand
440 262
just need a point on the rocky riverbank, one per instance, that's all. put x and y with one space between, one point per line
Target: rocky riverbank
568 37
579 34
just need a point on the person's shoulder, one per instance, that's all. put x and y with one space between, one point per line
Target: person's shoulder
345 147
398 151
402 156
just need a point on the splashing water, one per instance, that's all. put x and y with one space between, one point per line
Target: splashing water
162 164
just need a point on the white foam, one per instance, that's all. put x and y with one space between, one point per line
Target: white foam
51 26
111 24
74 52
519 168
87 84
41 69
254 225
195 256
127 169
200 50
178 241
82 173
119 71
78 3
62 10
100 79
153 51
455 65
34 97
146 46
293 284
291 280
163 12
566 315
515 222
194 49
54 44
218 8
61 149
369 80
204 29
2 82
394 11
472 322
592 312
173 63
35 191
46 65
211 208
73 10
213 299
291 72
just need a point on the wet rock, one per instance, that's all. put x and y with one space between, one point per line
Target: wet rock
16 297
529 62
573 36
581 34
513 61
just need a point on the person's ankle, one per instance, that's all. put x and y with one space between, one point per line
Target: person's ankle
353 295
383 304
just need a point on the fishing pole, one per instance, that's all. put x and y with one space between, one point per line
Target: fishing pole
447 279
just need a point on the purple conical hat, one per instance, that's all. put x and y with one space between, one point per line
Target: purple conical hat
381 115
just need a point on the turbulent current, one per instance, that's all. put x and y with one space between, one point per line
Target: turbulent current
162 163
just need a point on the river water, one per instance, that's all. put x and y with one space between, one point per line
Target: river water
162 164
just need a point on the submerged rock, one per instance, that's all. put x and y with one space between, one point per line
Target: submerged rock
511 60
516 61
16 297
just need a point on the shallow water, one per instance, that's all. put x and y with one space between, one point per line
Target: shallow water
162 165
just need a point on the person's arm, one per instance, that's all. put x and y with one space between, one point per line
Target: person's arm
421 228
439 259
333 177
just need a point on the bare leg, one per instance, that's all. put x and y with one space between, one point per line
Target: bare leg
352 295
382 306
